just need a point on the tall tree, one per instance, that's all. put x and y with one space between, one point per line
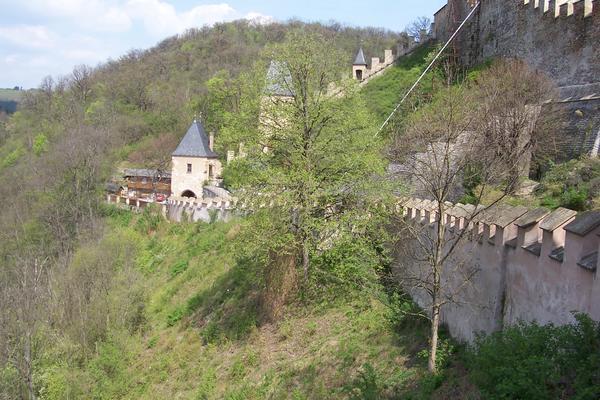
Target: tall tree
313 159
478 135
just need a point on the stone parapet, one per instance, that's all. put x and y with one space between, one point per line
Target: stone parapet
532 265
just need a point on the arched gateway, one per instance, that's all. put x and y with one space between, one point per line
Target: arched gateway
188 193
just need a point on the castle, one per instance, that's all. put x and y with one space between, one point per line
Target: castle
559 37
194 163
363 72
519 264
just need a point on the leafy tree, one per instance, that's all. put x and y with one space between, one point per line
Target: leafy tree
313 161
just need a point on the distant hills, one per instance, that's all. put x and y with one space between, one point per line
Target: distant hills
9 100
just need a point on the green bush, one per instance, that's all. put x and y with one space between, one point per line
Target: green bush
366 386
529 361
574 184
574 198
149 220
175 316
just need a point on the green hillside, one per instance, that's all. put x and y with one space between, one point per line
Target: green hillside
385 92
102 303
202 338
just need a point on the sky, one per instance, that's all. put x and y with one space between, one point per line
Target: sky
49 37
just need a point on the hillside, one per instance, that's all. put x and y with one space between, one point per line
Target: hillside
202 338
385 92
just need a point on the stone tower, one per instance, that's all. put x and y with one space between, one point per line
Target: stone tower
359 67
194 163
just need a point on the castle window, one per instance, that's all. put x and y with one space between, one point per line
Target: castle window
359 75
210 172
189 168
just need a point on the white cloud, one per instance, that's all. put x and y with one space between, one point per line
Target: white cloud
11 59
259 19
29 36
92 31
160 18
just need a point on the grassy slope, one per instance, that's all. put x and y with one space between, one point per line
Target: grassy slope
203 339
384 92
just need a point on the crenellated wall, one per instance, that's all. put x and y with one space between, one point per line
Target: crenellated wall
181 209
558 37
531 265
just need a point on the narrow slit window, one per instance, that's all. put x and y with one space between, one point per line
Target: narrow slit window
189 168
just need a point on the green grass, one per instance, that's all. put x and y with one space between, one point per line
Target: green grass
203 337
385 92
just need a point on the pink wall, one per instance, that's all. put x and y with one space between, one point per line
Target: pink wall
511 283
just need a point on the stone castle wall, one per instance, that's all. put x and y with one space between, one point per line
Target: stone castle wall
558 37
530 265
180 209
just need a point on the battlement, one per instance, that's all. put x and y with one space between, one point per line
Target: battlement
362 72
531 264
179 209
563 8
563 235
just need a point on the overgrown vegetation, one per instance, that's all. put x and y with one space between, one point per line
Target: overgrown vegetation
529 361
574 184
198 333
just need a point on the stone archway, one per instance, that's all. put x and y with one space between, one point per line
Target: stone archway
189 193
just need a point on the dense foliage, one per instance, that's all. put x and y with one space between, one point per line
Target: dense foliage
529 361
574 184
56 153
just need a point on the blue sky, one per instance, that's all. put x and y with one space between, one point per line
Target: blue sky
49 37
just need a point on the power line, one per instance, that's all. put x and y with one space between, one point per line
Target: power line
428 68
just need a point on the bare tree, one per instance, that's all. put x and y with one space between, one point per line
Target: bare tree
418 27
482 133
81 82
25 294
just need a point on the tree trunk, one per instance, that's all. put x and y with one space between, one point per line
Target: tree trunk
305 259
29 367
433 340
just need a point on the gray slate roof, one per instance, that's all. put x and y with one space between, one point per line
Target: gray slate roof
584 223
557 218
279 80
194 143
360 58
532 217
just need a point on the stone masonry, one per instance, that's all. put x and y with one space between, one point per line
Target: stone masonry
530 265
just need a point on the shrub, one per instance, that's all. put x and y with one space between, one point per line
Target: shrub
574 198
148 221
529 361
179 267
175 316
366 386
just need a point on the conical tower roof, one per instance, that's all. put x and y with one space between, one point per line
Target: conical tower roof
195 143
279 80
360 58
